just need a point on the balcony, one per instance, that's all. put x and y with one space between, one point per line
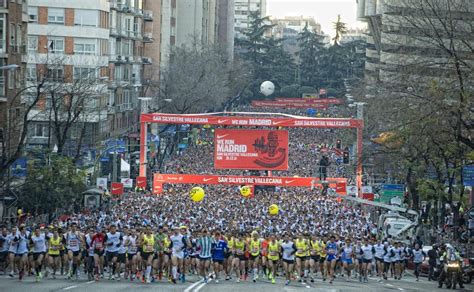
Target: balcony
114 32
148 15
147 37
147 61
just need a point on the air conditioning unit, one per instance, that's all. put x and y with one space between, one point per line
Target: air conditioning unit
127 59
119 58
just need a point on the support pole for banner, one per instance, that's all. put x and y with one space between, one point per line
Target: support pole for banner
143 146
359 162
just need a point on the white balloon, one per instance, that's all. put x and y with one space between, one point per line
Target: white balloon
267 88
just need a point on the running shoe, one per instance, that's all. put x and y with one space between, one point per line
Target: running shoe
287 282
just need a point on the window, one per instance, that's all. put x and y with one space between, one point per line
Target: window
86 17
56 15
85 47
19 40
32 44
85 73
55 74
31 73
56 46
11 79
3 35
32 14
40 130
12 35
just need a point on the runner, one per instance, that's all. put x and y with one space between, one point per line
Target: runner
288 249
219 251
54 256
38 244
113 241
204 245
332 254
74 239
274 249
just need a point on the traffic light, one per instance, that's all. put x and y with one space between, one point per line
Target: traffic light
338 144
345 157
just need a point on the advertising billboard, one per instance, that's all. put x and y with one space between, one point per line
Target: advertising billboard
251 149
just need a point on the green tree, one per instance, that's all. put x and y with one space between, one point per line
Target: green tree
311 48
265 55
341 28
58 184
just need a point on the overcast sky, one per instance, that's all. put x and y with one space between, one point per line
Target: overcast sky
324 11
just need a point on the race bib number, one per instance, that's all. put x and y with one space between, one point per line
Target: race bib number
273 253
73 243
149 248
254 250
133 249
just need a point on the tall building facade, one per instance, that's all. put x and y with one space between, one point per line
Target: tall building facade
189 23
402 43
13 27
243 9
68 42
130 31
97 40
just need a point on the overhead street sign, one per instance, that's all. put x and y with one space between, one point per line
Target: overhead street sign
468 175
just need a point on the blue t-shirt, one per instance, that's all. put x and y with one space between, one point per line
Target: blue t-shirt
331 249
219 248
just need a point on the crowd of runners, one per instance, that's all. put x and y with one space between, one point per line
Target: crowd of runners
147 238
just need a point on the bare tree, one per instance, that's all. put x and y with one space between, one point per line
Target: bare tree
197 80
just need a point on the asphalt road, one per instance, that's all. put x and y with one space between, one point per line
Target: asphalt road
194 285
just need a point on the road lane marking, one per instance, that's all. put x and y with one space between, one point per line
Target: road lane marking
90 282
192 286
401 289
200 287
70 287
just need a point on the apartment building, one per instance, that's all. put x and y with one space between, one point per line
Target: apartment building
104 38
243 9
397 53
68 40
130 31
189 23
13 26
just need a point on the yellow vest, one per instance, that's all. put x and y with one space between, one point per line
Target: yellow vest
230 243
239 246
273 249
54 246
301 247
315 248
255 247
148 243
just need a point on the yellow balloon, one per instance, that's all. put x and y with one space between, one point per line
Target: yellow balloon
273 209
197 194
245 191
20 211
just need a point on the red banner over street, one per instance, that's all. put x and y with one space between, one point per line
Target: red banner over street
287 104
251 149
300 122
308 101
159 179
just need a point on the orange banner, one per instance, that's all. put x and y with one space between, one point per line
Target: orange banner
287 104
298 122
339 184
